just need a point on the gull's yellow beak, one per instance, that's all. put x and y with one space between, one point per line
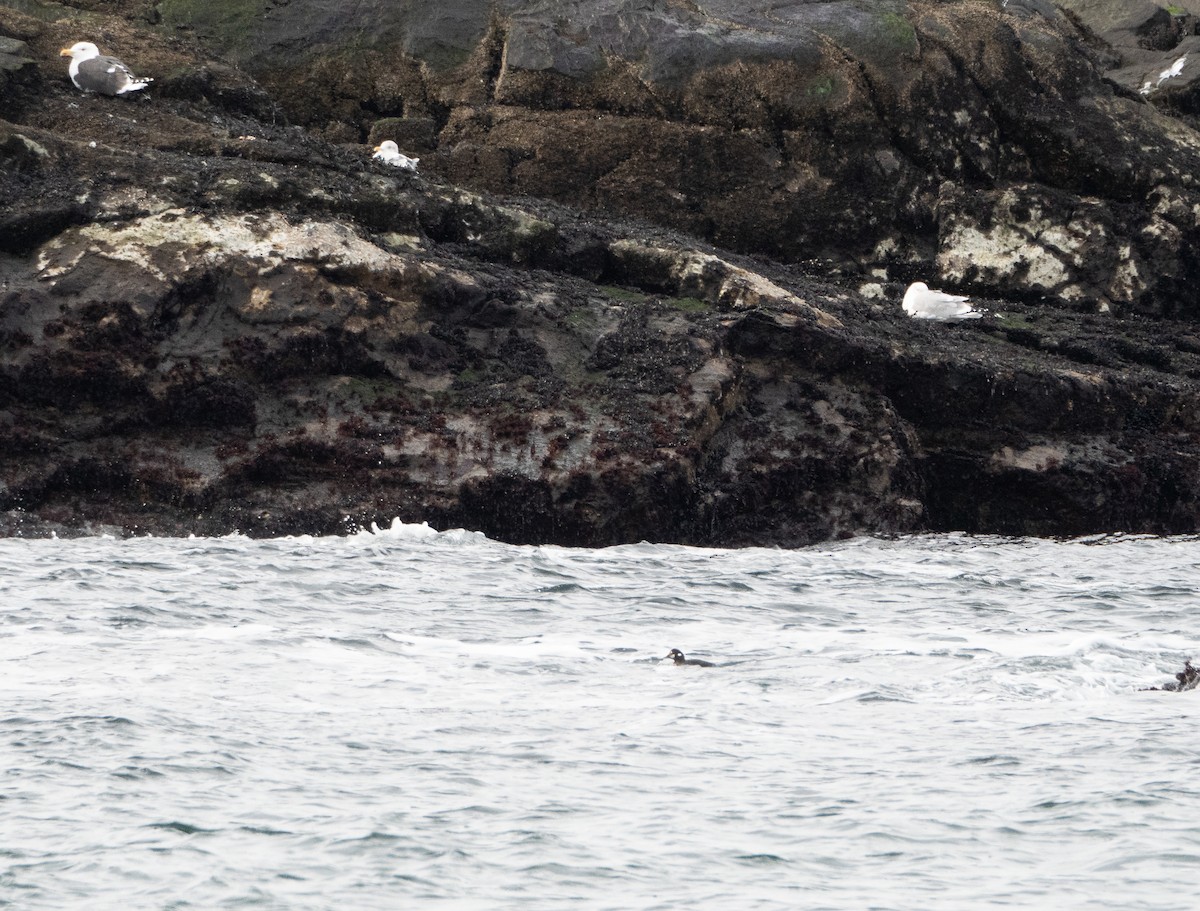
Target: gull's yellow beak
65 52
377 148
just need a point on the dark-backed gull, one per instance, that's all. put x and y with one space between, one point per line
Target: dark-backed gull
93 72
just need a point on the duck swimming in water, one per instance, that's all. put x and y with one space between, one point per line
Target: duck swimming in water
678 657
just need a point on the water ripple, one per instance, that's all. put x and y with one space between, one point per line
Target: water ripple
411 718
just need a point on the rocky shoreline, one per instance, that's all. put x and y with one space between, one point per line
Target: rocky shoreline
645 286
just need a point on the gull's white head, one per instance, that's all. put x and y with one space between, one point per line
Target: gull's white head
81 50
915 291
389 153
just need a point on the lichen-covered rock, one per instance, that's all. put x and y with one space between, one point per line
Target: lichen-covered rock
211 320
835 132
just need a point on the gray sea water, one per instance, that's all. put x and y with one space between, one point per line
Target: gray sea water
408 719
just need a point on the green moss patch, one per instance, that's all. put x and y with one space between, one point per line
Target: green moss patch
230 22
371 389
624 294
1013 320
820 87
899 31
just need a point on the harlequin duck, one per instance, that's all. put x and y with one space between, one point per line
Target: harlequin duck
678 657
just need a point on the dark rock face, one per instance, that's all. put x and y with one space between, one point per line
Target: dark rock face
1144 39
1001 144
211 320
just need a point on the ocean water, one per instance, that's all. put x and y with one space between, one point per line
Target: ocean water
412 719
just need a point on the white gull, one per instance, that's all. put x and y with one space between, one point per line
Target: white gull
91 71
920 302
389 153
1175 69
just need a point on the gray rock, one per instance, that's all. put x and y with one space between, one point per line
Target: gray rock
804 131
15 65
213 321
20 153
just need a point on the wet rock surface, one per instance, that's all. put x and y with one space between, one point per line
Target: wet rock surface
592 318
1003 144
1187 679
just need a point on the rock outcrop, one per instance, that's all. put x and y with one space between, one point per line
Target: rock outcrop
633 294
1000 143
1187 679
